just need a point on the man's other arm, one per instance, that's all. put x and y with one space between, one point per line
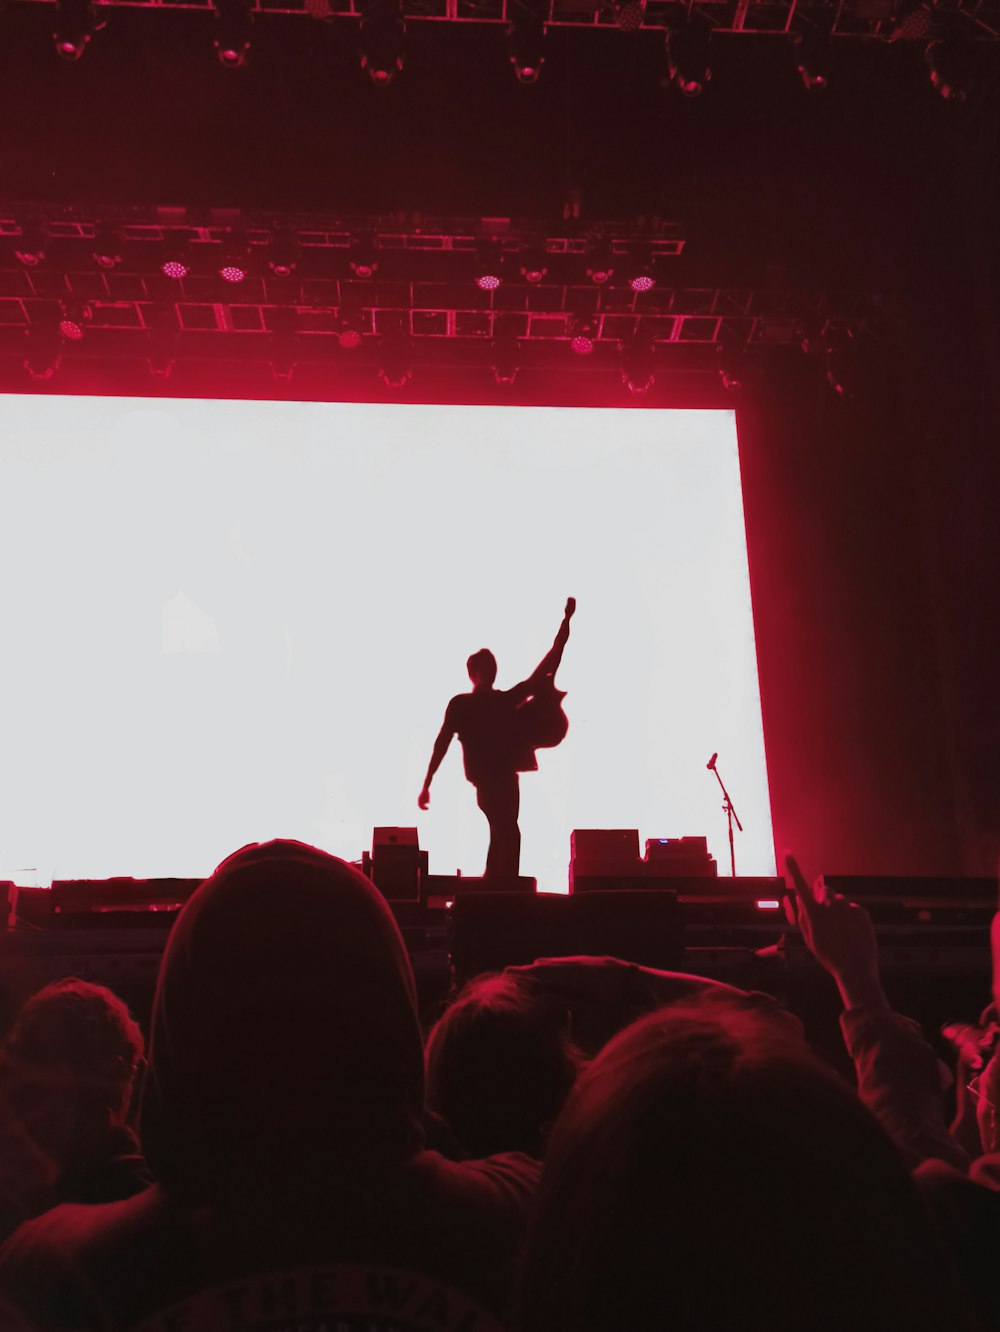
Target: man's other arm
441 744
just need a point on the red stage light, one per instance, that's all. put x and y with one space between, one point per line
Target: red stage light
349 339
582 344
232 273
69 328
174 268
642 282
487 281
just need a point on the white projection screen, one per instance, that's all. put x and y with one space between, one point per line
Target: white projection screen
228 621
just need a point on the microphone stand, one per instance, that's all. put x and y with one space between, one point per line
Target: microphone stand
732 816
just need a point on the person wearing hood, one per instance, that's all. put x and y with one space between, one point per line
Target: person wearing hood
282 1117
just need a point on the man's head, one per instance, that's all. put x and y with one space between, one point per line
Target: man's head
68 1063
482 667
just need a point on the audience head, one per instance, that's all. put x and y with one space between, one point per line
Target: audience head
500 1064
67 1068
482 667
284 1032
707 1172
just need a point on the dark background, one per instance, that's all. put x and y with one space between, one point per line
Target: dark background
872 523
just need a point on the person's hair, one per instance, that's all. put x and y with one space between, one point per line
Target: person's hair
67 1063
500 1064
484 664
708 1172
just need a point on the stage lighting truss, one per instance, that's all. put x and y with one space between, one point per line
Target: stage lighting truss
688 56
526 22
76 22
383 33
233 19
343 303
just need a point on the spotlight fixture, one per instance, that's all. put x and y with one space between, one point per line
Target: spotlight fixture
948 68
505 350
349 336
43 346
629 14
161 351
382 35
813 59
364 257
489 265
284 354
839 363
688 57
637 363
283 254
641 274
232 32
235 264
107 249
534 263
175 257
30 245
74 317
76 22
731 362
526 36
600 261
395 362
583 334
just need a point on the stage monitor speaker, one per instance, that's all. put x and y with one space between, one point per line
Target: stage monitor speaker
100 903
490 931
396 866
686 857
618 844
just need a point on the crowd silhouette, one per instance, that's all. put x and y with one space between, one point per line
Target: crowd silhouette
579 1145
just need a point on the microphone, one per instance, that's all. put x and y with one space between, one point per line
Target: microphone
711 762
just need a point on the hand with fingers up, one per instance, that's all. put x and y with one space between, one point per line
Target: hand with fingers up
839 934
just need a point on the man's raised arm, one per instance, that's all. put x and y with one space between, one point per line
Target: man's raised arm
437 754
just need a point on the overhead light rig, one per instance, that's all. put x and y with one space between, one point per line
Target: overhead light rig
890 20
165 285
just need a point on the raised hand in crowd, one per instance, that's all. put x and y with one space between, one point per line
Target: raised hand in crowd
839 934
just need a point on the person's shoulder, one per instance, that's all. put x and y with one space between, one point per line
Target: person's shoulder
507 1181
71 1227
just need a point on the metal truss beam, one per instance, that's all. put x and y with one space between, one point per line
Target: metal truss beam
885 19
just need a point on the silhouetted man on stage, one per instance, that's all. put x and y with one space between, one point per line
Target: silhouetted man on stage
500 731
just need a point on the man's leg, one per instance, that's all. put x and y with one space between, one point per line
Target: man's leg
500 801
